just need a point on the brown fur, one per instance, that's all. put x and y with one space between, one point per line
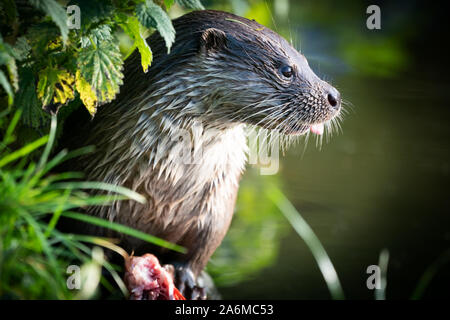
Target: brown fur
222 73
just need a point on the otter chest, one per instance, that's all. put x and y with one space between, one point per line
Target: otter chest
192 189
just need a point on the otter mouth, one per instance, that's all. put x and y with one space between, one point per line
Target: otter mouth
317 128
314 126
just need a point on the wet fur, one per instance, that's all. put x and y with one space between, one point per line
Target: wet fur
221 74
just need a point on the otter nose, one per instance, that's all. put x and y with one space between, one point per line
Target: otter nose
333 97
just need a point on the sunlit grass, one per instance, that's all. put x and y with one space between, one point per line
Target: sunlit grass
326 266
312 241
34 255
428 275
383 260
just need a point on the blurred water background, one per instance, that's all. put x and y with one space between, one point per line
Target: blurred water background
382 183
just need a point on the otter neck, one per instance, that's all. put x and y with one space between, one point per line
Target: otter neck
177 148
190 146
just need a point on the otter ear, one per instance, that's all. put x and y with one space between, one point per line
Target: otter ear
212 39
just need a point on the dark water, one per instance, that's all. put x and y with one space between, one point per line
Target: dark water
382 183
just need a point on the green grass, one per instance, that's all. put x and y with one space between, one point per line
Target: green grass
325 265
307 234
34 255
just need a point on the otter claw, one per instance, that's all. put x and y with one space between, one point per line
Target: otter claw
198 293
187 285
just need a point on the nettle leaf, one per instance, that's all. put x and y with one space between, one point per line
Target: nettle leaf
168 3
101 66
55 86
40 36
87 95
97 35
151 15
28 102
132 27
21 48
56 12
191 4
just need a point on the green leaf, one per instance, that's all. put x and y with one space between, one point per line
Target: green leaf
97 35
131 26
101 66
21 48
151 15
56 12
191 4
40 36
168 3
27 100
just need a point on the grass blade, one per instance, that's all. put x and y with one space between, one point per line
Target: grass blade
380 294
23 151
101 186
8 138
49 146
428 275
124 229
311 240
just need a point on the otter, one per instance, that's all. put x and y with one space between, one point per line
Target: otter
223 72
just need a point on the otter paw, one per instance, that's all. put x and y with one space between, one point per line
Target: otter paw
186 283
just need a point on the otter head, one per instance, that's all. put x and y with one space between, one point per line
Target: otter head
254 76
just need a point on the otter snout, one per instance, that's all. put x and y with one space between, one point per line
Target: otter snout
332 96
327 110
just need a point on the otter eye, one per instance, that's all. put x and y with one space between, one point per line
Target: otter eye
287 71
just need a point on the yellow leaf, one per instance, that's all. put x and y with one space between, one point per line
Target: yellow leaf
55 84
64 89
87 95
